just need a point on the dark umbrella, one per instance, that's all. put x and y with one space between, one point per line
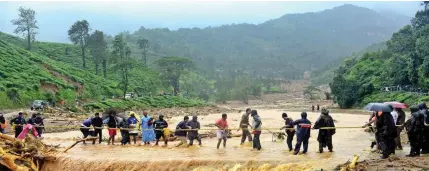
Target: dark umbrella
397 105
379 107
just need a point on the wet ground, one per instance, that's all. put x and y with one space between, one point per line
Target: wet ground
273 156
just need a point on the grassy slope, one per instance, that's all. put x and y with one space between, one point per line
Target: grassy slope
47 71
32 75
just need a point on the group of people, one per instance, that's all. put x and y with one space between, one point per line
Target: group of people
388 127
302 131
20 124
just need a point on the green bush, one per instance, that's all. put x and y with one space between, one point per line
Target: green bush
408 98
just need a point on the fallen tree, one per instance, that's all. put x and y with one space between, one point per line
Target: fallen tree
28 154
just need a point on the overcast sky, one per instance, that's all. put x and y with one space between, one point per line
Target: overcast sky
54 18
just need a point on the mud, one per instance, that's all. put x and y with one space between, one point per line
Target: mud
273 156
393 163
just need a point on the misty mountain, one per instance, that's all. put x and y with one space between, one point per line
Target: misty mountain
284 47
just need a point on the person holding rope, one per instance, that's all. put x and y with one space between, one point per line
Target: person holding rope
256 126
148 133
125 133
195 126
222 124
386 133
84 128
303 127
159 125
244 126
18 122
325 135
290 132
97 123
112 124
415 128
38 122
180 133
132 123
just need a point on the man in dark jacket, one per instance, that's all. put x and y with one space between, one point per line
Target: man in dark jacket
244 126
290 131
180 132
386 133
159 132
125 133
303 127
425 146
19 122
415 127
31 120
400 121
38 122
97 123
325 135
193 135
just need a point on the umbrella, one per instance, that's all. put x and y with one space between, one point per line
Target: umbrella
379 107
397 105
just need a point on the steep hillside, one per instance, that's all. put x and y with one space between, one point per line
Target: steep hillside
325 74
404 63
283 47
27 76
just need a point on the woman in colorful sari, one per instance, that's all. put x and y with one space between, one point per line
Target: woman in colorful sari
148 133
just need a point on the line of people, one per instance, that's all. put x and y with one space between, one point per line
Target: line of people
388 127
387 133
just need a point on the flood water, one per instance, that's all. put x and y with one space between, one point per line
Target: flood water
273 156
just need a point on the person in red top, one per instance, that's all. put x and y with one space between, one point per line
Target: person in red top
222 124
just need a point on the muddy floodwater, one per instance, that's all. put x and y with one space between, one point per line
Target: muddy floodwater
273 156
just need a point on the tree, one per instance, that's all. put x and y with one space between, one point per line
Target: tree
172 68
425 4
26 24
79 34
98 48
144 45
310 91
122 60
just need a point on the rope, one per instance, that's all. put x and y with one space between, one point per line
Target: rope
137 128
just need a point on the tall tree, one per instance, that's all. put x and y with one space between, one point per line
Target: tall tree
98 48
172 68
144 45
79 34
122 60
26 24
425 4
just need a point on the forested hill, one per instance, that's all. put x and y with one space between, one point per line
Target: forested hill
404 63
283 47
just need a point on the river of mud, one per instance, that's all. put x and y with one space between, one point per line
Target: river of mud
273 156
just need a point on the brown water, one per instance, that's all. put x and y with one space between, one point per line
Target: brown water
273 156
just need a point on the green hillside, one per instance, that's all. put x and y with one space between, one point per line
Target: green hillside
48 72
325 74
27 76
284 48
404 63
